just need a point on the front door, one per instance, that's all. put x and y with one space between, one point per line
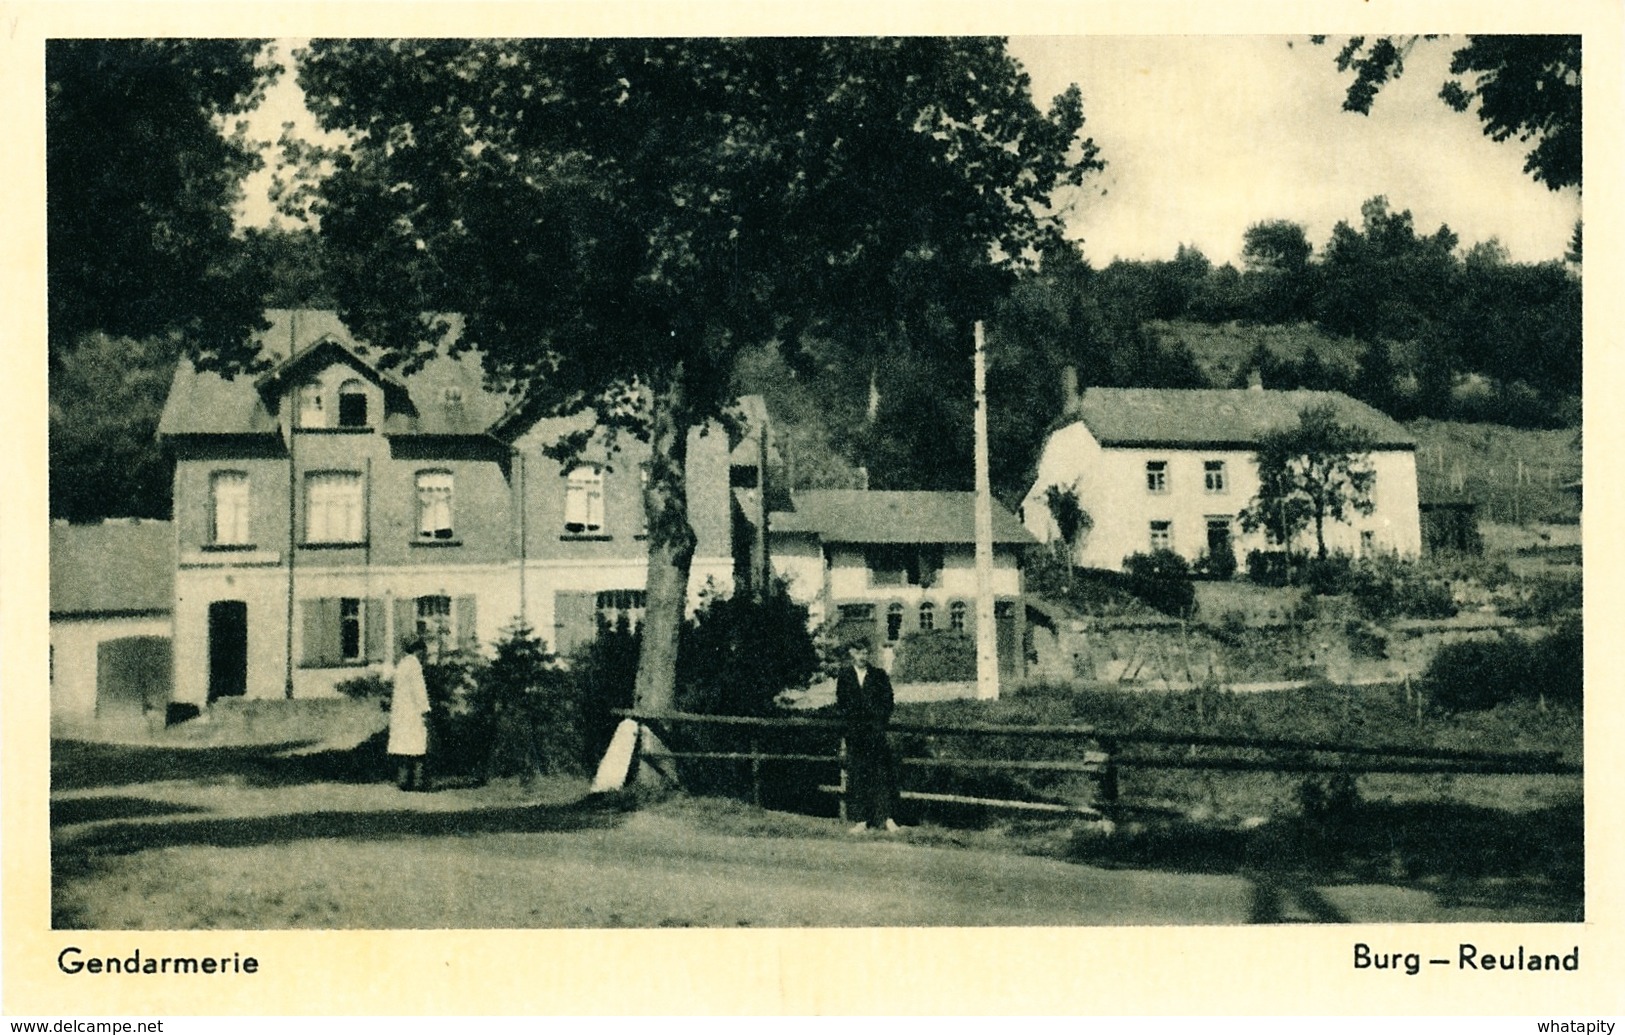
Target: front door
228 649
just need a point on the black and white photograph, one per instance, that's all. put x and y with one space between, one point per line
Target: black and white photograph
777 482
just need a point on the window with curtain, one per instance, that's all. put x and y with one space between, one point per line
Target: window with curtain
434 490
229 492
584 500
333 507
434 621
312 411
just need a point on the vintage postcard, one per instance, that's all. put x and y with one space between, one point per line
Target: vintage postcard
704 509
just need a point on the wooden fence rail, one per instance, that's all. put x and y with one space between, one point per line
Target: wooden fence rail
1102 760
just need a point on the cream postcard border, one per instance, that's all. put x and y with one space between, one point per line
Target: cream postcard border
1099 971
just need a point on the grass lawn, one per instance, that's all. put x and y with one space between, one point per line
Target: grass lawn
299 835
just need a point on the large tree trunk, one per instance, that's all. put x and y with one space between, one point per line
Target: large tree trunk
671 546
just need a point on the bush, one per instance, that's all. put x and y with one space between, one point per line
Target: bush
1267 567
1163 580
1546 599
369 687
936 656
1385 587
1218 563
1480 674
1331 575
740 653
530 709
605 672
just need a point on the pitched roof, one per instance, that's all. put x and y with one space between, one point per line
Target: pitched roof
1219 418
446 397
862 516
112 567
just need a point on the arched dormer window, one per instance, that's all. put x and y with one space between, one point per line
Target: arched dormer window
352 404
584 500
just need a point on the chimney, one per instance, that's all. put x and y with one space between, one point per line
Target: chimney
1069 389
1255 380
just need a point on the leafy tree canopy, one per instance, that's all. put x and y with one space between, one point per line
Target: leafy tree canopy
1526 87
1312 472
618 219
140 184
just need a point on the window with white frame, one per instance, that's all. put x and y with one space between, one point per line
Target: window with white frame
312 408
434 620
894 623
1162 535
352 404
228 491
584 500
1156 476
334 507
956 616
621 610
1213 476
928 616
434 491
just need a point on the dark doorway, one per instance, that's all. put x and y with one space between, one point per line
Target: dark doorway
228 649
1007 639
132 678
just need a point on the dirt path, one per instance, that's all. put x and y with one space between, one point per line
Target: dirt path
223 852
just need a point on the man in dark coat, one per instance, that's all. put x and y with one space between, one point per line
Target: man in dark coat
863 695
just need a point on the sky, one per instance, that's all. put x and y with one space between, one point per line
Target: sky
1206 135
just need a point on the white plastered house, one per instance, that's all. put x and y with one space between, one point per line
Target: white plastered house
1172 468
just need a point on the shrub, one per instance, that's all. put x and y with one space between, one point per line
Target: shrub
1326 576
740 653
1366 640
936 656
1162 579
1479 674
1219 562
1385 587
605 672
1267 567
369 687
1546 599
529 708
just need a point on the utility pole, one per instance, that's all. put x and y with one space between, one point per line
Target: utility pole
987 658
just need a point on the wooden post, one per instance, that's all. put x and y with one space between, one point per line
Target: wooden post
1108 778
987 660
756 770
841 793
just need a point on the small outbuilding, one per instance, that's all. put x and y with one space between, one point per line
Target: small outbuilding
887 567
112 602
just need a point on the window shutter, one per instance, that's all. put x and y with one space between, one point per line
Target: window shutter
575 619
468 633
321 624
406 623
375 629
332 634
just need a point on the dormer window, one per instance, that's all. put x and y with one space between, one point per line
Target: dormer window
312 409
352 404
